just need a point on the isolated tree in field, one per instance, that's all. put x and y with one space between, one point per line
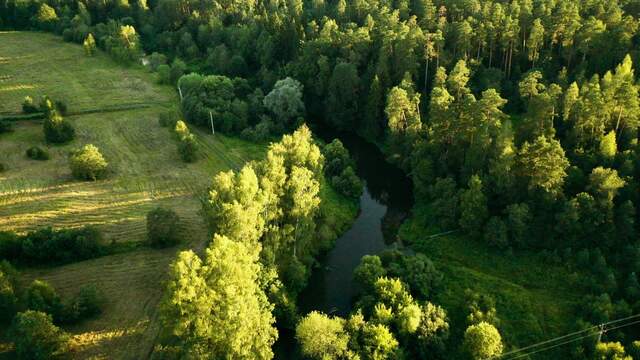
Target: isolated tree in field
163 227
28 105
482 341
56 128
322 337
285 101
35 337
88 163
216 307
543 164
188 148
89 45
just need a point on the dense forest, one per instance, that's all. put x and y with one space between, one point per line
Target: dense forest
516 120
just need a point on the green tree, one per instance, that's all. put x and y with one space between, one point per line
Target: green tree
35 337
46 18
403 121
609 146
482 341
543 164
322 337
473 207
610 351
87 163
163 226
342 97
89 45
433 331
56 128
369 271
285 101
40 296
216 307
605 183
535 41
8 295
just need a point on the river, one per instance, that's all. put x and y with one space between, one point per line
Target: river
386 200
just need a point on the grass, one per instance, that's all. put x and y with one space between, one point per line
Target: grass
145 171
535 301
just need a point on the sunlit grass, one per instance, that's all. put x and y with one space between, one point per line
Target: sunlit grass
145 171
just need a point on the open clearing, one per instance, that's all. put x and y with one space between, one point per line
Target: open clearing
145 172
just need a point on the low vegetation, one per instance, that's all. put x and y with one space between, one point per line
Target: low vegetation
87 163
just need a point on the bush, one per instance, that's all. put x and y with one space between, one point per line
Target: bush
88 163
188 148
28 106
87 303
3 167
348 183
48 246
162 227
56 129
35 337
5 126
61 106
37 153
40 296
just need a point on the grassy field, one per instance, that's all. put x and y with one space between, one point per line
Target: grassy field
145 172
535 301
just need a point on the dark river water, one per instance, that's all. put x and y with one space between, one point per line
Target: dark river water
385 202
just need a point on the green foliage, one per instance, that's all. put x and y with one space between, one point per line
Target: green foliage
473 207
42 297
611 351
89 45
163 227
5 126
433 331
322 337
369 271
35 337
48 246
46 17
28 106
124 44
168 119
482 341
285 102
87 163
87 303
207 299
37 153
608 145
543 164
8 292
348 183
56 129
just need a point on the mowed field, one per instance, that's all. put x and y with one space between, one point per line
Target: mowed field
144 172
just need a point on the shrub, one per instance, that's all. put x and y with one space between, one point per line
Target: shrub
181 129
178 67
28 106
35 337
3 167
37 153
40 296
162 227
51 246
87 303
156 60
337 158
56 129
188 148
88 163
5 126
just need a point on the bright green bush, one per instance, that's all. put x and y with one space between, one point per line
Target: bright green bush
88 163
